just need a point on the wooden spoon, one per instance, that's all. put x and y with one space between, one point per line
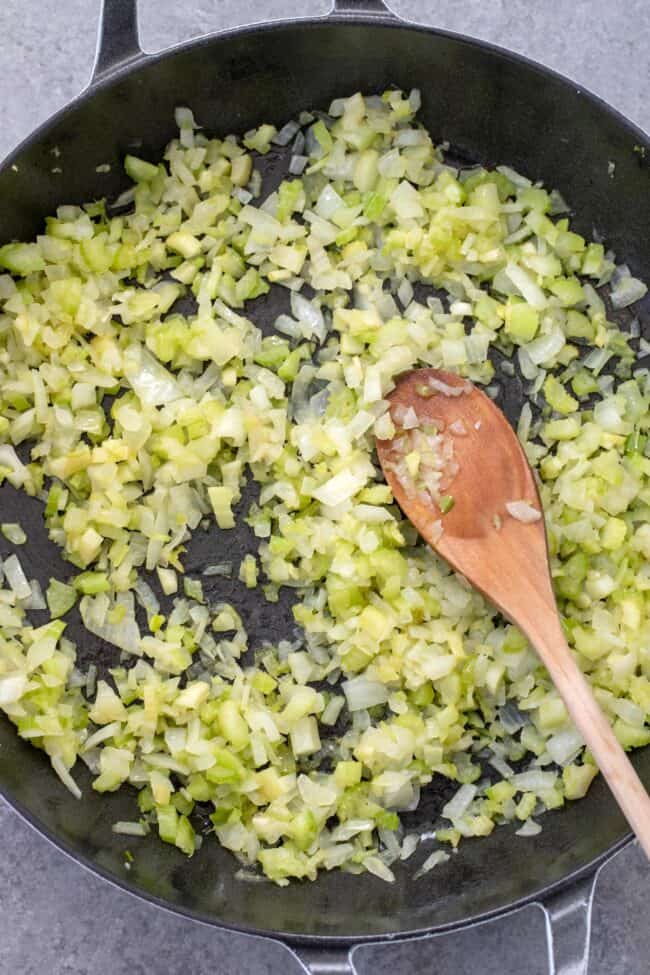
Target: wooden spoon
503 557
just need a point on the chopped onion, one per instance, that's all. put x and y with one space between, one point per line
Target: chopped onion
146 597
16 578
13 533
286 134
309 315
151 382
12 688
524 423
361 693
433 860
523 511
533 781
546 347
514 176
530 828
9 459
341 487
218 569
459 804
438 386
298 164
125 634
627 291
564 746
122 828
526 286
63 773
35 600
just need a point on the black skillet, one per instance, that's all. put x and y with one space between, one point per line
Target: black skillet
492 106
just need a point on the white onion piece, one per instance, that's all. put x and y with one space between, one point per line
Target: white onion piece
350 828
406 201
514 176
122 828
377 867
341 487
16 578
564 746
361 693
125 634
10 459
298 164
146 597
558 204
433 860
627 291
12 688
405 292
528 368
409 845
328 202
501 766
530 828
459 803
309 315
441 387
534 781
66 778
526 286
218 569
151 382
525 421
523 511
409 419
286 134
35 600
546 347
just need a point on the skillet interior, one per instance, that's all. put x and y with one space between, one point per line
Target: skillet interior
491 107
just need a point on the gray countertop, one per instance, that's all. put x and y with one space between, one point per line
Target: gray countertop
56 917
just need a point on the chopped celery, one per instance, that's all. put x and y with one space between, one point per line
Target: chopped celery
260 139
22 259
557 397
13 533
221 499
139 170
446 503
521 321
60 598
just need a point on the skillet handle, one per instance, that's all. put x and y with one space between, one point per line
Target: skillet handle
568 926
324 961
118 42
376 8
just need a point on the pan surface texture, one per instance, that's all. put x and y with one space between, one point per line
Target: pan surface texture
492 107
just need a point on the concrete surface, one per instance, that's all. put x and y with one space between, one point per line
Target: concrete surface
58 919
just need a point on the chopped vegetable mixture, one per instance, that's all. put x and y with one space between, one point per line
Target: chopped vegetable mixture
137 420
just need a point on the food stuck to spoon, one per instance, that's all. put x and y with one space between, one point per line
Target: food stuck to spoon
459 473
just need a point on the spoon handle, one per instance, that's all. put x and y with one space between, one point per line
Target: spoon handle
626 786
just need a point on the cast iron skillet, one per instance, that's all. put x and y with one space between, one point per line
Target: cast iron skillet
492 106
